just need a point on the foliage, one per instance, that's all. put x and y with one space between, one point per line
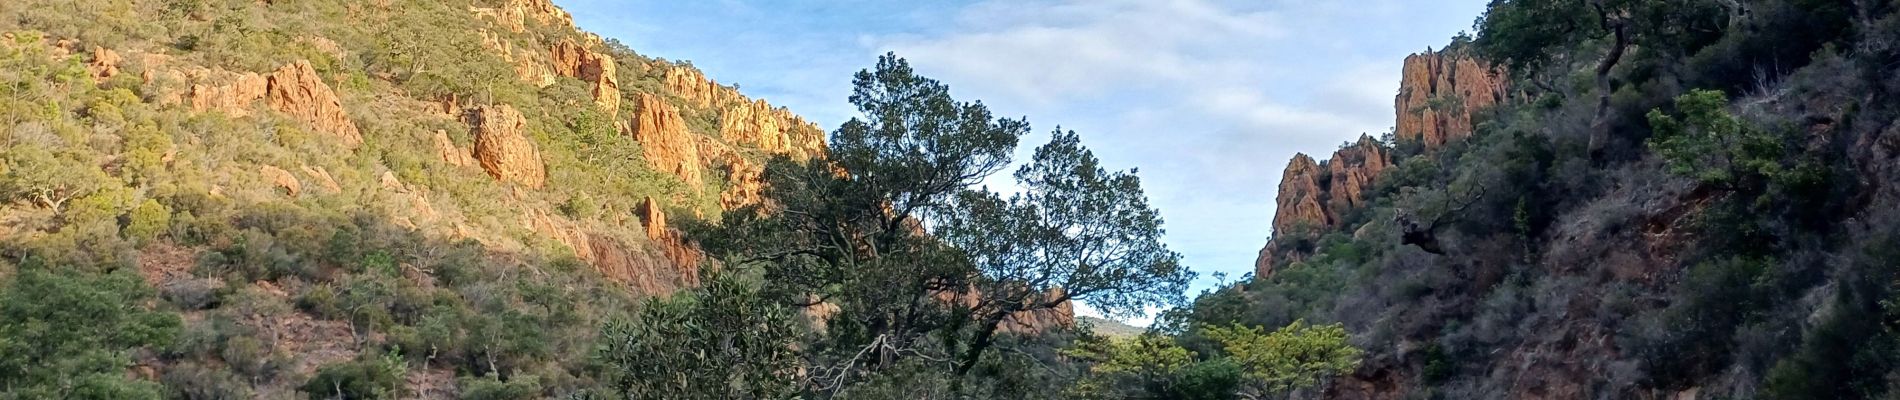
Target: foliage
372 377
1076 232
724 341
1715 147
71 334
1298 355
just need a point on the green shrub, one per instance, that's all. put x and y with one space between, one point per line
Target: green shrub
69 334
374 376
147 221
519 387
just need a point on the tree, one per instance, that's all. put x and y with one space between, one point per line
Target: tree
1296 356
849 233
723 341
1142 366
1712 145
1529 35
1252 363
66 334
1076 232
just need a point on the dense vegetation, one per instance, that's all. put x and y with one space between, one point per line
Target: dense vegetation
146 255
1680 197
1685 196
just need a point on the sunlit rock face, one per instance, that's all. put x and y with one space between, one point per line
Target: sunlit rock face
1439 94
1316 196
502 146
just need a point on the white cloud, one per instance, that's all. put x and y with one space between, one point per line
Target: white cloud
1209 98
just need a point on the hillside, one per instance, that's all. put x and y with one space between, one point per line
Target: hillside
305 184
220 199
1109 327
1673 200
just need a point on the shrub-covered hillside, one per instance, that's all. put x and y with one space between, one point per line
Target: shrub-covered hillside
1610 199
245 199
472 199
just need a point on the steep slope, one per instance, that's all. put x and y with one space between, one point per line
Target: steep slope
1734 238
474 185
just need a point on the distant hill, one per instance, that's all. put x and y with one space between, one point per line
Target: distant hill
1110 328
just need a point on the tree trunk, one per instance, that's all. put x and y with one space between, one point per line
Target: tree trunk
985 336
1600 124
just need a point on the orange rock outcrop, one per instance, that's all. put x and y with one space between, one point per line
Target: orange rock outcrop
294 90
515 14
502 146
1439 94
684 255
664 140
1353 170
449 152
529 67
574 60
1316 196
231 93
105 63
773 129
297 91
1302 200
282 179
690 84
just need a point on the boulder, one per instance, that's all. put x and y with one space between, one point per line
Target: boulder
502 146
297 91
282 179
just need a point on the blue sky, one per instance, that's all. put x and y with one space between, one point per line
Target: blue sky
1208 98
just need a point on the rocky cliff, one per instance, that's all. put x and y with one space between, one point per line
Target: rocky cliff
1316 196
1439 94
664 138
574 60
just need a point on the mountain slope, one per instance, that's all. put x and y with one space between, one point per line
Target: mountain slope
1706 216
474 185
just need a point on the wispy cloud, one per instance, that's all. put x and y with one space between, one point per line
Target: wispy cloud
1209 98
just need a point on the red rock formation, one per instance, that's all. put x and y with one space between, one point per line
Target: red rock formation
515 14
773 129
684 255
105 63
1300 207
745 180
296 90
454 155
574 60
228 92
1301 201
1353 169
664 140
1439 94
528 66
503 148
322 178
282 179
1314 196
647 271
690 84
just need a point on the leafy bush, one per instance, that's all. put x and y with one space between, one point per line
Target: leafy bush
522 387
722 341
371 377
69 334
